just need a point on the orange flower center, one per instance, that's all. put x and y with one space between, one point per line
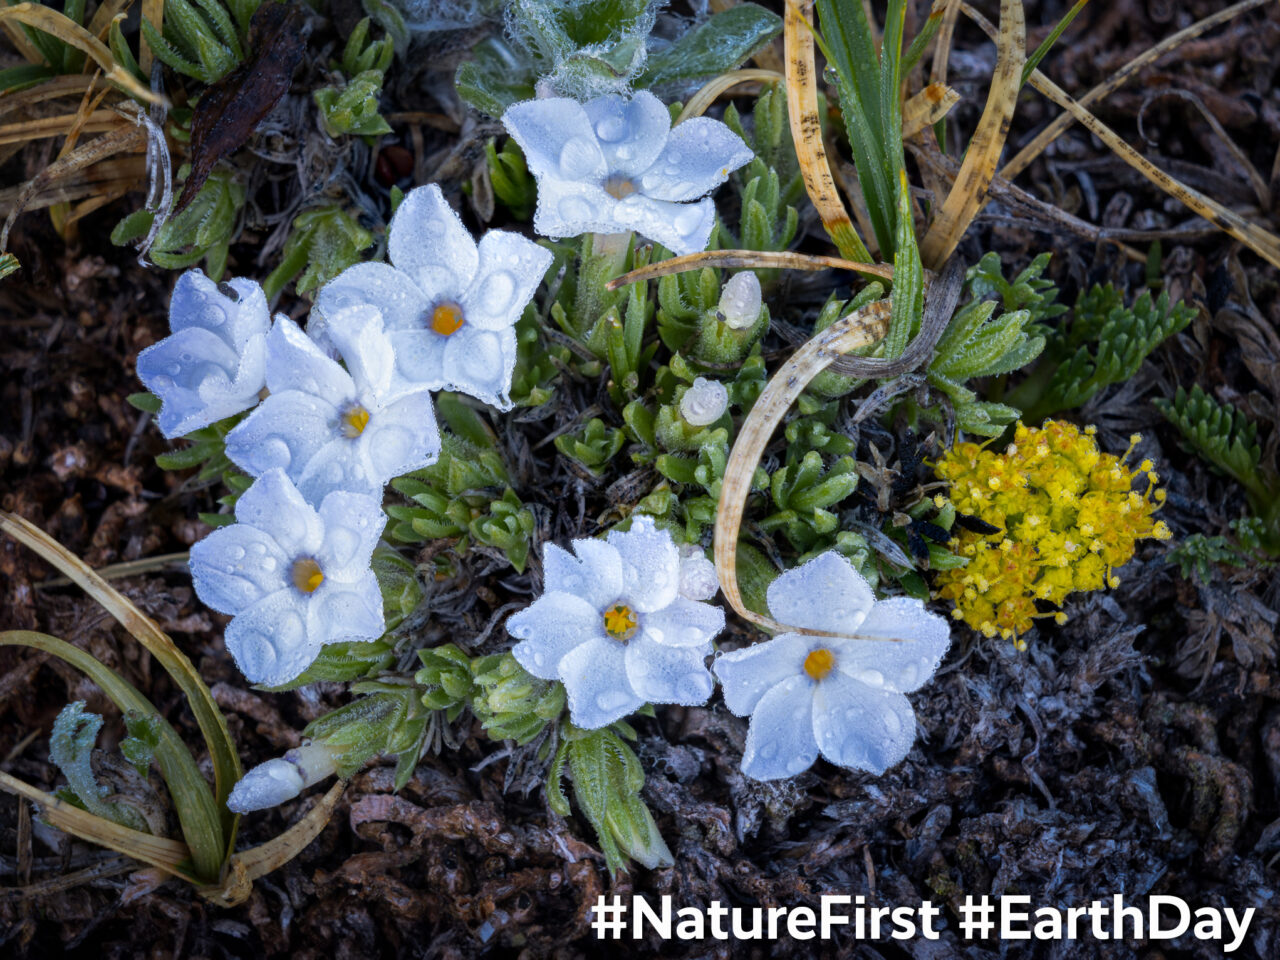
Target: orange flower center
354 419
446 318
620 622
306 575
619 187
819 663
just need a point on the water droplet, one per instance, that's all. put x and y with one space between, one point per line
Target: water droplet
574 209
610 700
872 678
687 220
611 128
830 76
892 724
499 290
578 158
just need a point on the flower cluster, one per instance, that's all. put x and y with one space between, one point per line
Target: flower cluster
1055 515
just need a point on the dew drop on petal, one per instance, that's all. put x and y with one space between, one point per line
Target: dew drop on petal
578 158
892 724
687 220
499 290
611 128
611 700
574 209
872 678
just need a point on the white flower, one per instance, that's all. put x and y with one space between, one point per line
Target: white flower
828 693
333 429
212 365
740 301
613 628
449 305
704 402
281 778
613 164
698 579
293 577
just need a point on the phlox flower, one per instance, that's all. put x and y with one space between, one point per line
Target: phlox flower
613 164
293 577
614 629
211 366
448 303
330 428
280 779
827 692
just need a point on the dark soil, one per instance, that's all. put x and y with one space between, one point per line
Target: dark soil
1134 750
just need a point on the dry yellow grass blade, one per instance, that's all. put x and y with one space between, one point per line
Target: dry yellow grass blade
110 10
741 259
70 85
68 31
1027 154
1261 242
983 153
100 121
710 91
152 10
859 329
942 42
806 131
926 108
164 854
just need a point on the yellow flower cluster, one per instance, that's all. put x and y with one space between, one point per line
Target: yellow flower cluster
1066 515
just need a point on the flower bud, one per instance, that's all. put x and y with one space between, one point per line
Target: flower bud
697 574
704 402
740 301
281 778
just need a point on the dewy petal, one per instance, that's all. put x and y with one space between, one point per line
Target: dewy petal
236 566
267 785
826 594
403 436
352 525
684 623
198 301
558 141
664 674
349 610
286 432
550 628
361 341
631 132
194 373
682 228
907 660
340 465
595 574
568 208
594 675
480 363
860 727
381 285
699 156
780 741
430 245
274 505
511 267
748 674
296 362
269 639
650 565
419 357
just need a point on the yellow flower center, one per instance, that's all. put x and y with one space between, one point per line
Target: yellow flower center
446 318
353 421
819 663
619 187
620 622
306 575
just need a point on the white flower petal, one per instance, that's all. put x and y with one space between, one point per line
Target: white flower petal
361 341
285 432
907 661
825 594
650 565
296 362
682 228
558 140
397 297
631 132
340 465
861 727
349 610
266 785
480 363
780 741
664 674
430 245
269 640
699 156
594 675
403 436
684 623
550 628
748 674
419 357
274 505
236 566
569 208
195 375
352 524
595 574
198 301
511 267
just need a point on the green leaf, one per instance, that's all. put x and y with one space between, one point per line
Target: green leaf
724 42
75 731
